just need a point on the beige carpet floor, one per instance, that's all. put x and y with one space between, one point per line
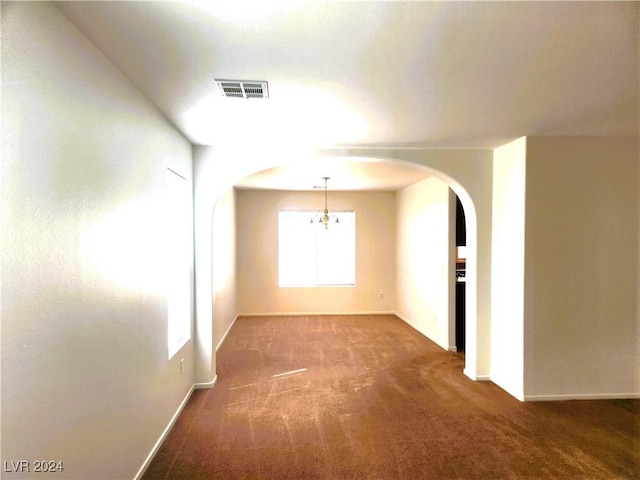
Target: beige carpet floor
368 397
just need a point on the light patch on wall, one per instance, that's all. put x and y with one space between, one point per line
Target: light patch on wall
123 248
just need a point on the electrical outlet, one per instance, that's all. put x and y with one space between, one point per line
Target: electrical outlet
381 295
181 365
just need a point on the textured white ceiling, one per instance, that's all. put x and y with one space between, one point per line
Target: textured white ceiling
388 74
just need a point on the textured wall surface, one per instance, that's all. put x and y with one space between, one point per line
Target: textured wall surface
423 267
85 374
258 254
582 226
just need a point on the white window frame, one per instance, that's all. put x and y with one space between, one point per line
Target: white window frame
179 224
310 255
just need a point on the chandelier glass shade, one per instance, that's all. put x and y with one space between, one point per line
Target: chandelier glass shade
326 218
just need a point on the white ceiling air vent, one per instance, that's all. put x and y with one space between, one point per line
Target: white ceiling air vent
243 88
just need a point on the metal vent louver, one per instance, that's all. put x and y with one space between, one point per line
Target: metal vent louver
243 88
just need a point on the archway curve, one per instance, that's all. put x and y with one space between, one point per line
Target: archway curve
211 183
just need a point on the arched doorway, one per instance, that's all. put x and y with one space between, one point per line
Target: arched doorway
210 184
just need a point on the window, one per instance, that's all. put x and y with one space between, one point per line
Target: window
179 254
310 255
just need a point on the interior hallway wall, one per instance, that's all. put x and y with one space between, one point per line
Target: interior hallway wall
507 273
224 264
258 254
469 173
582 324
423 263
85 372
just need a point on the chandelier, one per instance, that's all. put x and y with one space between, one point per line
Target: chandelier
326 217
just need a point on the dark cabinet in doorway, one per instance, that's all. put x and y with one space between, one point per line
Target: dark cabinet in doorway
461 241
460 315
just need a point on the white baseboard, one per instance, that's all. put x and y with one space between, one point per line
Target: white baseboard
225 334
199 386
166 431
154 450
446 348
581 396
405 320
477 378
315 314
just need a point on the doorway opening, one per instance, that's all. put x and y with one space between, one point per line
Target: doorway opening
213 310
461 264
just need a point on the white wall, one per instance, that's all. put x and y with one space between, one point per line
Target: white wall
507 275
424 267
221 302
224 264
470 174
85 374
582 336
259 293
